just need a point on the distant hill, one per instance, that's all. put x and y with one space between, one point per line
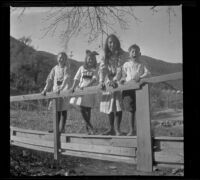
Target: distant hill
29 68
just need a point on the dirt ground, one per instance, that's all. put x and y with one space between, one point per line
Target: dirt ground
26 162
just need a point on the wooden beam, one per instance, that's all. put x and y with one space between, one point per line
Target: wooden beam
35 142
169 157
163 78
107 157
167 138
106 142
168 151
29 131
56 130
169 165
31 146
117 141
88 90
96 89
98 136
144 144
101 149
120 151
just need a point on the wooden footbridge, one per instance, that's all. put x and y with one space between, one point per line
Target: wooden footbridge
144 150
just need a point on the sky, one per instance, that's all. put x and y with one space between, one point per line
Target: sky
152 34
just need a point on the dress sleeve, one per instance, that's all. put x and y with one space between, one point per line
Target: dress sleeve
102 71
124 72
78 74
51 75
49 80
118 75
144 71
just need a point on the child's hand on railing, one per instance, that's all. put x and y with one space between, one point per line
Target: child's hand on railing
137 78
58 91
102 86
44 92
113 84
71 90
122 81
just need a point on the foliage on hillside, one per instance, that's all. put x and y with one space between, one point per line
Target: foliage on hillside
29 68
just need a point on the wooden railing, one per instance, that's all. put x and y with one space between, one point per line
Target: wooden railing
145 155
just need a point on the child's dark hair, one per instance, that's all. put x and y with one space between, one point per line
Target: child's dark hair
63 54
134 46
92 54
107 50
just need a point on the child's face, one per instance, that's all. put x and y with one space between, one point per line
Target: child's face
134 53
90 61
61 60
111 44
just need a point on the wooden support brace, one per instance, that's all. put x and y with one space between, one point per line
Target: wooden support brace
56 130
144 141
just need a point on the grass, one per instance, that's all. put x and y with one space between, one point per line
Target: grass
42 119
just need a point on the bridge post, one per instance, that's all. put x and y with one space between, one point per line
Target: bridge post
144 140
56 131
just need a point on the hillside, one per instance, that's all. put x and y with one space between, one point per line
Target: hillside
29 68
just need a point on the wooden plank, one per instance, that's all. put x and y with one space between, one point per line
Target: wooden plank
131 160
88 90
166 145
117 142
169 157
105 142
167 138
28 130
170 165
72 134
48 137
99 136
168 152
35 142
163 78
121 151
34 147
56 130
144 144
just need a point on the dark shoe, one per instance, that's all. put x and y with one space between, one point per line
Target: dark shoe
131 134
118 133
50 131
88 133
109 132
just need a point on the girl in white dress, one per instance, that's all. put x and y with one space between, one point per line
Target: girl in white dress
86 76
109 75
59 80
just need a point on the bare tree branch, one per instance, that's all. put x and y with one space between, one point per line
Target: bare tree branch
154 10
93 22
